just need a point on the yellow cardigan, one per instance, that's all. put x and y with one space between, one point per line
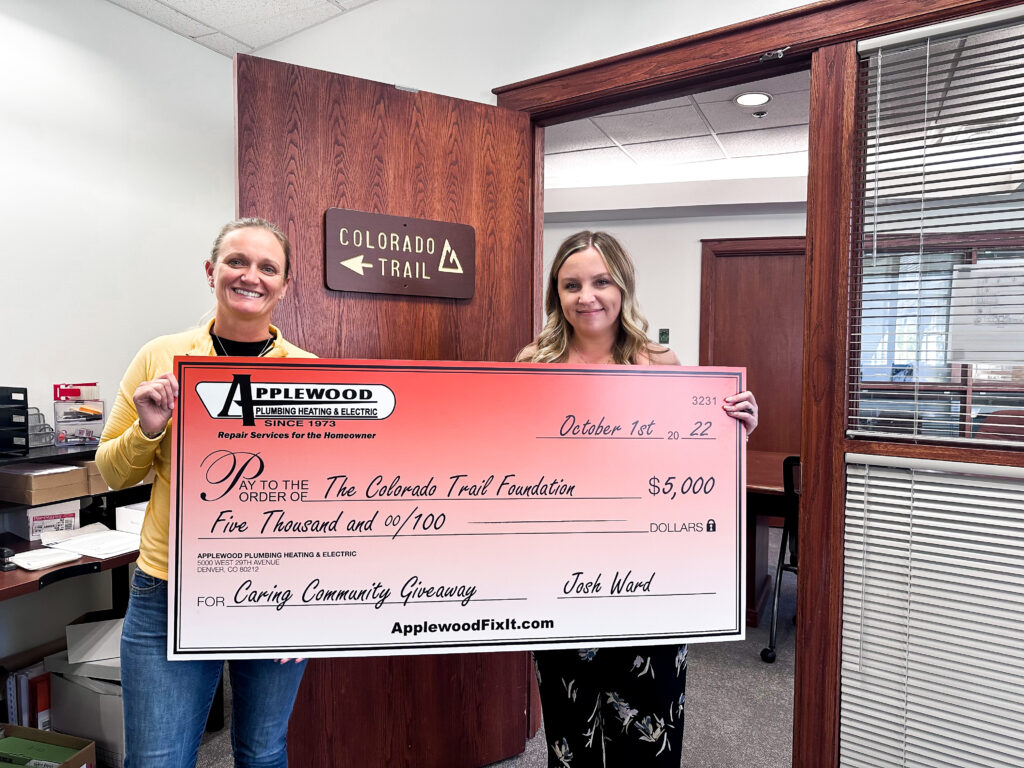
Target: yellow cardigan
125 455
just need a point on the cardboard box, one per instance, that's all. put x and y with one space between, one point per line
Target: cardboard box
96 482
129 518
92 708
94 636
84 757
35 484
30 523
102 669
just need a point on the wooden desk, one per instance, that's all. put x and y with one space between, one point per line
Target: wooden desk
100 509
20 582
764 492
764 472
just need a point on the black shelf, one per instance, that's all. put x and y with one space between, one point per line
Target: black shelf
48 453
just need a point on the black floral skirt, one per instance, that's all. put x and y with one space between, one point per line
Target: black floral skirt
613 707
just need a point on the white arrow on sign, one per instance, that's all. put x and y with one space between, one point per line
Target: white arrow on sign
356 264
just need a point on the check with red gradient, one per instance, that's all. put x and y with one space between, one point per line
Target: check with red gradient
357 508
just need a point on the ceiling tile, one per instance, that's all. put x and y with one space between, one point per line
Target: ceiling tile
791 83
675 151
263 30
569 137
169 18
222 44
771 141
222 14
783 109
673 123
587 163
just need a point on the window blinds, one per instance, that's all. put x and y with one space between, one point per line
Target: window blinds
937 276
933 615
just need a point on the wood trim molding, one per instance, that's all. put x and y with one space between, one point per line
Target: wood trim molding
967 454
706 331
830 185
938 241
711 59
537 292
762 246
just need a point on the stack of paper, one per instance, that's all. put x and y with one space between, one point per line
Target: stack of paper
37 559
95 540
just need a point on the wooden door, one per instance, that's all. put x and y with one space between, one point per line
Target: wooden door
308 141
752 314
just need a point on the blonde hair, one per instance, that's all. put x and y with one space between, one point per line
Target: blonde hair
631 342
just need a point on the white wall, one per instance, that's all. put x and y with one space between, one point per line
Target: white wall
667 254
117 157
118 170
464 48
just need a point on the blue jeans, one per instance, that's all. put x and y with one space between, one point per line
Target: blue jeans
166 703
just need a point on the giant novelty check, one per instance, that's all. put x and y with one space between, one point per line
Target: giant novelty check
333 508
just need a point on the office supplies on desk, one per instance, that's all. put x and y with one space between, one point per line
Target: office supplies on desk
31 523
77 421
38 559
13 420
95 540
50 538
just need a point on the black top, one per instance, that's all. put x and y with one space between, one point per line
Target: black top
231 348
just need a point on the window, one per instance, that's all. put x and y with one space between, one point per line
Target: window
937 298
932 609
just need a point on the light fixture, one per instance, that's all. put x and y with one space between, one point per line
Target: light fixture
752 99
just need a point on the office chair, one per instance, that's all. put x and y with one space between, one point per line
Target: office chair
791 508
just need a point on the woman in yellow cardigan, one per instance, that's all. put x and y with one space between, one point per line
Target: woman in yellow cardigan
166 702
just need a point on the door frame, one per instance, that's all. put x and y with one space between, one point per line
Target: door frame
823 35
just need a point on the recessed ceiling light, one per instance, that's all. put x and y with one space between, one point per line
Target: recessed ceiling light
753 99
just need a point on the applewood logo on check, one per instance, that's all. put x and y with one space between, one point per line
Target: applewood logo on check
248 400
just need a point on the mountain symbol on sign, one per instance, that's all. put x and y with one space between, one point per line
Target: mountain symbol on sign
449 260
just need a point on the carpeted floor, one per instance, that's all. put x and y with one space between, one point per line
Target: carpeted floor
739 710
